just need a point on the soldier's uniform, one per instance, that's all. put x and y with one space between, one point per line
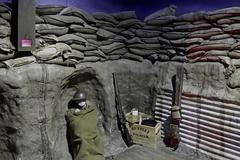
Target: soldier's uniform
84 139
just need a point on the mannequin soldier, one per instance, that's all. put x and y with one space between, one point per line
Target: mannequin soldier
84 139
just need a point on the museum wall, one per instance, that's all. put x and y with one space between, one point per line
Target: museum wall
76 50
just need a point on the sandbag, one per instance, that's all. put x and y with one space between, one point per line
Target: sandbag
113 29
86 36
72 38
193 16
75 54
236 63
4 31
6 45
158 57
72 11
134 40
221 36
142 52
6 55
155 40
145 46
232 29
174 35
205 34
145 33
192 27
196 54
103 34
51 51
50 38
4 22
129 23
105 17
62 62
17 62
207 47
131 56
60 20
95 53
179 58
213 17
91 59
229 41
111 47
51 29
234 54
7 16
4 8
39 43
49 9
230 10
161 21
125 15
168 11
217 53
157 28
186 42
83 48
83 28
38 20
128 34
114 57
119 39
121 51
100 23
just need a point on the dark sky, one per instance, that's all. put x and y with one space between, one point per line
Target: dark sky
143 7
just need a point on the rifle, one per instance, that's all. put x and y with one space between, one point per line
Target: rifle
120 115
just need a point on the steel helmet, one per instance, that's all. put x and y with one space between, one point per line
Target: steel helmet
79 96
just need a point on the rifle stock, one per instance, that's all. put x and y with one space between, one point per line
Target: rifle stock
120 114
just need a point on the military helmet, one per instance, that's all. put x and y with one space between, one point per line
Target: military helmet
79 96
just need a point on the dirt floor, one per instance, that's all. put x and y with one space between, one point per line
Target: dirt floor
137 152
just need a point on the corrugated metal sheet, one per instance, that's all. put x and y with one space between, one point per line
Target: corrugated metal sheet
209 125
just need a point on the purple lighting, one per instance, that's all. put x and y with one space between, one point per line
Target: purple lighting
26 43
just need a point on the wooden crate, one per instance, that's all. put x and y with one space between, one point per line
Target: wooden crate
143 134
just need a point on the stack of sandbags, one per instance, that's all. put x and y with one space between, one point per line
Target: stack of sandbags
6 47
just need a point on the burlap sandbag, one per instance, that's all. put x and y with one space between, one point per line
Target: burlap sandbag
142 52
4 22
95 53
6 45
134 40
91 59
125 15
219 37
168 11
121 51
19 61
4 8
158 57
128 34
72 38
129 23
105 17
4 31
7 16
229 41
205 34
186 42
86 36
213 17
196 54
114 57
103 34
161 21
49 9
191 27
234 54
179 58
233 28
77 55
72 11
100 23
38 20
156 40
145 46
157 28
113 29
61 61
83 48
207 47
111 47
131 56
50 38
83 28
145 33
193 16
60 20
6 55
39 43
52 51
51 29
174 35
